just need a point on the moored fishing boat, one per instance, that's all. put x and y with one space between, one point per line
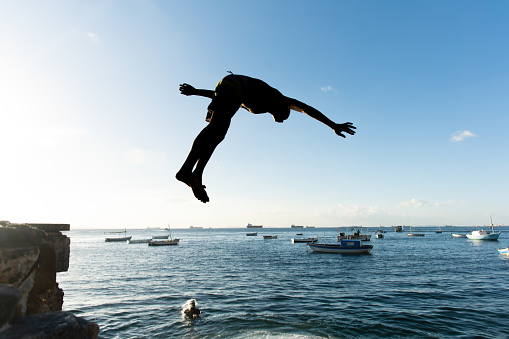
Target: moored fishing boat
164 242
119 239
358 235
270 237
458 235
253 234
157 242
412 234
484 235
305 240
139 241
352 246
160 236
504 251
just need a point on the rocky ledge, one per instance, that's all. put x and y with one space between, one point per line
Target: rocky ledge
30 257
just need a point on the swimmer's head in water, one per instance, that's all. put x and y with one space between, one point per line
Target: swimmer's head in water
189 309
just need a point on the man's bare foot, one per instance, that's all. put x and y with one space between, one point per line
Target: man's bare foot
198 188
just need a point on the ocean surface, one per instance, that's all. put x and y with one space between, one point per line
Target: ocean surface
434 286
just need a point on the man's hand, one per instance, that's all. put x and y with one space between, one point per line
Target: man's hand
187 89
347 127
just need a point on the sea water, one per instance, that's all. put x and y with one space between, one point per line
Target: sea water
434 286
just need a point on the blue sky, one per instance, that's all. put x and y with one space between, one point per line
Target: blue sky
94 127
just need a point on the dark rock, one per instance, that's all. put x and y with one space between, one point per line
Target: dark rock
17 268
15 235
52 227
62 250
30 256
15 263
46 274
48 301
54 325
9 299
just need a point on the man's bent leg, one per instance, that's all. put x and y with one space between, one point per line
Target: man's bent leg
201 151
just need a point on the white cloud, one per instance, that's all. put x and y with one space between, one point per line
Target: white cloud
413 203
329 89
420 203
461 135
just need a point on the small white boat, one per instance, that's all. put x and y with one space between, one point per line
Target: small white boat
305 240
379 235
353 246
484 235
458 235
254 234
164 242
504 251
160 236
139 241
270 237
412 234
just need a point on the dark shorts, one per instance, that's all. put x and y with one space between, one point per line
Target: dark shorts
227 100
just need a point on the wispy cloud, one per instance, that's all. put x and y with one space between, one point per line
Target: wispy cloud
353 211
461 135
92 37
413 203
449 202
329 89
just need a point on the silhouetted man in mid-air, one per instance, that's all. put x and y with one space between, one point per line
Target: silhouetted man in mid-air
231 93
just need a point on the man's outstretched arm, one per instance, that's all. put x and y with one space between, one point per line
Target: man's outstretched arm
298 106
187 89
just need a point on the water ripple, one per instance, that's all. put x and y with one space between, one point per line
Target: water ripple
433 287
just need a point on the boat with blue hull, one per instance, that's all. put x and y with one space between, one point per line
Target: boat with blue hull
484 235
345 246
